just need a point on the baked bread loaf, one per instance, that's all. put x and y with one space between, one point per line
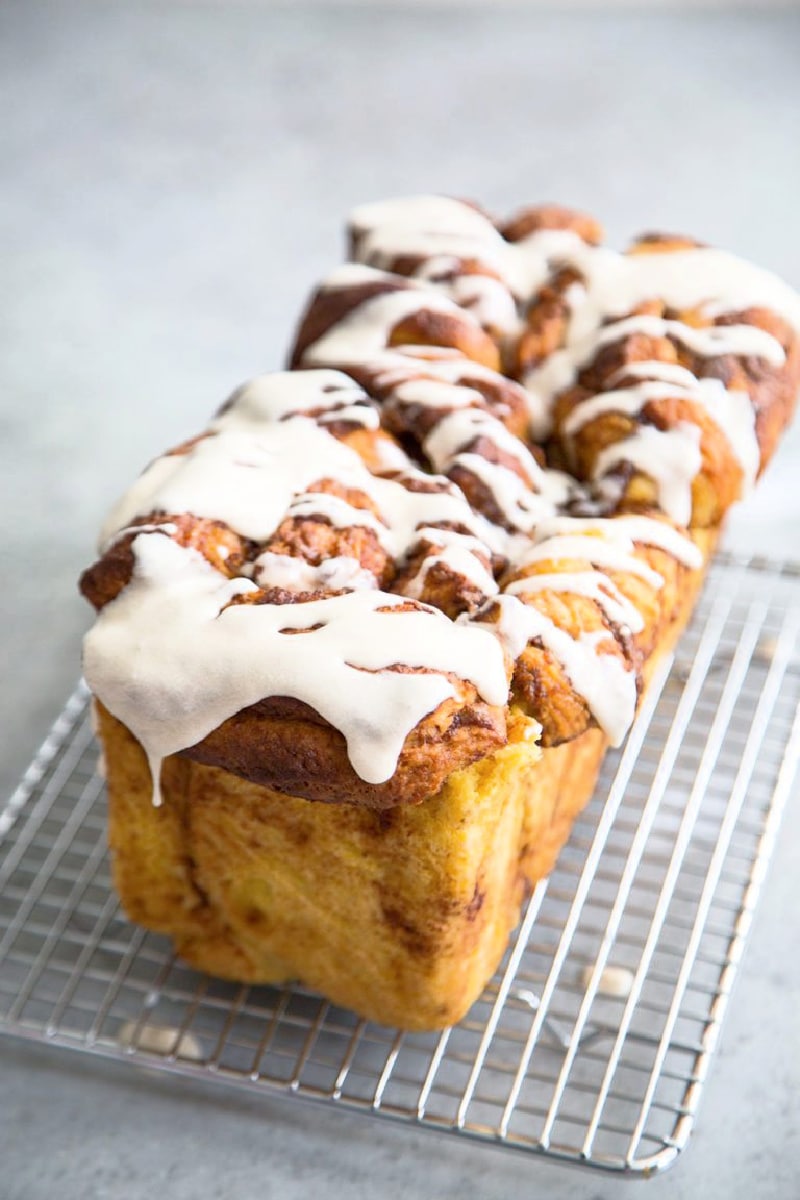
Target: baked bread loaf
362 643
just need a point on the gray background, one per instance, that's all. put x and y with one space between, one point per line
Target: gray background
173 180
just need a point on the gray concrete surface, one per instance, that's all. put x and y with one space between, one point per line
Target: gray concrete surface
173 180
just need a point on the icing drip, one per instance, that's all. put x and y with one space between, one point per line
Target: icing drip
607 687
435 393
426 227
296 575
443 231
388 456
592 584
440 228
459 561
458 553
278 455
336 512
198 662
653 368
449 366
562 367
151 527
732 411
487 299
243 478
521 508
328 395
462 427
615 284
646 530
173 659
251 480
615 553
719 282
671 458
363 333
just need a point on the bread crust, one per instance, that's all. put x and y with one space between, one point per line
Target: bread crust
270 858
400 914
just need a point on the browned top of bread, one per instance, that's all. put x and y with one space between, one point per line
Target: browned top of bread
339 588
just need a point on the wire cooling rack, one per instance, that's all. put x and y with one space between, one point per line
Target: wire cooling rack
592 1042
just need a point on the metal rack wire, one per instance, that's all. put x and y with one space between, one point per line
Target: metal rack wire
592 1042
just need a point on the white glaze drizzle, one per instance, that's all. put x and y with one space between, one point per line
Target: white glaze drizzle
448 366
459 561
460 553
521 507
616 554
292 574
670 457
615 284
436 393
732 411
338 513
363 332
646 530
330 395
465 419
243 478
301 449
612 286
436 229
250 480
167 527
563 366
653 368
440 231
387 456
601 679
458 429
487 299
407 512
594 585
198 662
441 228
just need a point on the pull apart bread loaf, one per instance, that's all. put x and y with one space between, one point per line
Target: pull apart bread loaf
363 642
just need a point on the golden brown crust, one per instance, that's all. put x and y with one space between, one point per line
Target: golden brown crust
772 388
223 549
546 322
293 749
541 685
425 327
429 327
314 539
270 858
401 915
539 217
494 394
440 586
328 306
283 744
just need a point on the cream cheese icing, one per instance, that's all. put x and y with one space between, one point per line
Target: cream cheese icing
173 661
607 687
264 449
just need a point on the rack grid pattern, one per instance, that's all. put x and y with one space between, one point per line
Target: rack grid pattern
592 1042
